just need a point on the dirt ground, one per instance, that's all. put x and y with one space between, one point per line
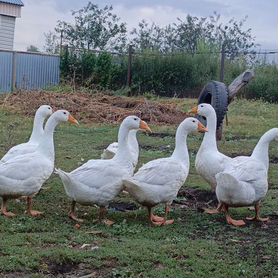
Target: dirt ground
96 108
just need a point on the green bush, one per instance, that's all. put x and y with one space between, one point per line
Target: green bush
264 85
177 74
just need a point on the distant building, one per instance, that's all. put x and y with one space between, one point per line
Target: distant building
9 11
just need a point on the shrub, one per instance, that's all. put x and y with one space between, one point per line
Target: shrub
176 74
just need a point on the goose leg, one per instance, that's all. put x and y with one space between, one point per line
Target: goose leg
257 216
214 211
4 208
165 221
72 213
230 220
29 208
102 218
154 219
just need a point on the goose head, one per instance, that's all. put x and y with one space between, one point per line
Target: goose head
192 125
135 123
44 111
203 109
64 116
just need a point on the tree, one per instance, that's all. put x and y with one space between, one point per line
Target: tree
32 48
230 36
189 32
51 43
185 34
94 28
153 37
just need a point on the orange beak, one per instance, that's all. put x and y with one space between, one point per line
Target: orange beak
72 120
202 128
194 110
144 126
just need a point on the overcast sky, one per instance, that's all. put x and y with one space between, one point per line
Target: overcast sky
40 16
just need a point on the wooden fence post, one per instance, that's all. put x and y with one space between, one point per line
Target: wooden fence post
13 72
222 65
61 42
129 64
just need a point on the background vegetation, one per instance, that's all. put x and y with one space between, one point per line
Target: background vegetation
173 60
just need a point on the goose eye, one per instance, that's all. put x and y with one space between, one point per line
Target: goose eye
194 121
65 113
135 119
49 108
202 105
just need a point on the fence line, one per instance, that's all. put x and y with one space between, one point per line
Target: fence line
28 70
254 52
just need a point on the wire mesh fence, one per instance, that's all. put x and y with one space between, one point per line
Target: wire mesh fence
173 74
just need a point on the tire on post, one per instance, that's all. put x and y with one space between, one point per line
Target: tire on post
216 94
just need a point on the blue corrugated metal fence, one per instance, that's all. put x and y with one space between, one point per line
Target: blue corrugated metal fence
28 71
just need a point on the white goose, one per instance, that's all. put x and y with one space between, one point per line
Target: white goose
41 114
159 181
244 181
24 175
112 149
209 161
100 181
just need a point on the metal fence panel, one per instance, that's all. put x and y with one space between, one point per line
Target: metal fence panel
36 71
5 71
31 70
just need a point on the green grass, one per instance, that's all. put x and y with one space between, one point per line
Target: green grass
197 245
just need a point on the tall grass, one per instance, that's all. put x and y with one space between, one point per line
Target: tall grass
265 84
176 74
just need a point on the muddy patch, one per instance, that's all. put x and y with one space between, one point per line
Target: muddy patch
161 134
121 206
166 148
274 160
70 270
55 268
196 198
239 154
240 137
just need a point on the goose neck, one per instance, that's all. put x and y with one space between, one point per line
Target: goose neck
123 152
47 143
37 128
210 136
261 150
181 150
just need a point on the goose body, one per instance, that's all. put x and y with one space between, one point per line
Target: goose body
99 181
244 182
95 182
159 181
41 114
112 149
23 175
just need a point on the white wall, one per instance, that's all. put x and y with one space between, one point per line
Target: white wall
7 24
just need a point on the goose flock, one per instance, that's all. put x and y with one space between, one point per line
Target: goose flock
238 182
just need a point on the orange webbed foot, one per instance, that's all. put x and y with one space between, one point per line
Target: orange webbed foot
8 214
262 219
211 211
107 222
75 218
157 218
236 223
34 213
164 222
